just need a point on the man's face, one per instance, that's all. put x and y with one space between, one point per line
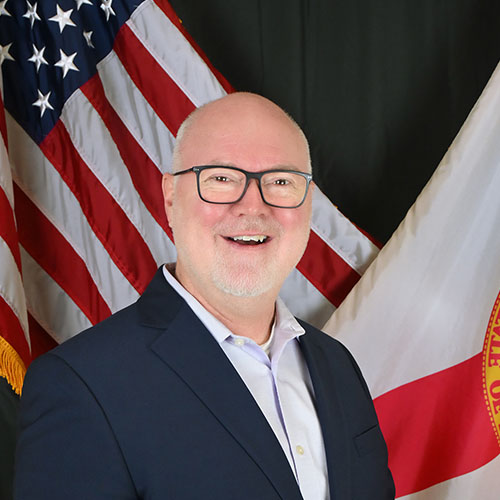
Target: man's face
212 257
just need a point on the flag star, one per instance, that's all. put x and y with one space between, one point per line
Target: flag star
108 10
79 3
3 10
43 102
37 57
88 37
4 53
31 13
66 63
63 18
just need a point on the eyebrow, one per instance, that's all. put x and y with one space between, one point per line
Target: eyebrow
275 167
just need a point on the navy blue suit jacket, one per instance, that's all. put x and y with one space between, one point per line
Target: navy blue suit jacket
147 405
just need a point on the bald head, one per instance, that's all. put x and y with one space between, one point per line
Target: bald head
242 110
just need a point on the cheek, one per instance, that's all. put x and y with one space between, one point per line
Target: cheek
296 221
193 220
296 228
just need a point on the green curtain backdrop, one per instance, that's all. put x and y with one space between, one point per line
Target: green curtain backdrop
380 87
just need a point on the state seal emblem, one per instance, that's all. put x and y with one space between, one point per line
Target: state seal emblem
491 367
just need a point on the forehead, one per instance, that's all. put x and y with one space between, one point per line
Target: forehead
253 136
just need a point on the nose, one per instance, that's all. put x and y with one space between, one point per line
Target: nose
252 202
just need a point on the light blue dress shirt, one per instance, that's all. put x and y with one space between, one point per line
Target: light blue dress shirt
277 376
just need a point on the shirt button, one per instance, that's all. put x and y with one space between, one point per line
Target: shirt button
239 342
299 449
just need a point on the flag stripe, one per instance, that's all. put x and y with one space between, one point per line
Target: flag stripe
8 228
63 264
340 234
145 175
124 244
49 304
334 285
443 427
305 300
12 332
41 341
11 285
135 111
162 93
172 16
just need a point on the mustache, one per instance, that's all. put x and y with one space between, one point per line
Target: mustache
250 224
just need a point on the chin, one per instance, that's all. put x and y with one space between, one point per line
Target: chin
244 284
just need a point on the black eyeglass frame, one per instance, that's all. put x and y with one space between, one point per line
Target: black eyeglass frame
249 176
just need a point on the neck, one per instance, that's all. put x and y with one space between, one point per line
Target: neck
250 317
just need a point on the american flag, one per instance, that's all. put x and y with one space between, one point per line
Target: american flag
94 92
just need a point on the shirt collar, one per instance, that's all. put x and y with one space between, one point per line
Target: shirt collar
285 326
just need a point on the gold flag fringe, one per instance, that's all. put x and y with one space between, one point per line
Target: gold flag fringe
11 366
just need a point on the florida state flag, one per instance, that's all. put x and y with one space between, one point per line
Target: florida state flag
424 323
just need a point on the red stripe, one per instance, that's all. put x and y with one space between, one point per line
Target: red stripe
170 13
41 341
327 271
8 230
12 332
56 256
162 93
145 176
437 427
110 224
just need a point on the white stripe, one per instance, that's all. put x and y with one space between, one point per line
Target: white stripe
95 145
50 305
305 301
11 287
174 54
481 484
340 234
44 186
5 175
136 113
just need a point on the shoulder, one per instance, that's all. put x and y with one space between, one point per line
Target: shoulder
127 332
108 338
333 354
99 349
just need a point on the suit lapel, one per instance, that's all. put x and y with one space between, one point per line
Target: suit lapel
330 417
189 349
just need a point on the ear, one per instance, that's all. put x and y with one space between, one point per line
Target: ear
167 186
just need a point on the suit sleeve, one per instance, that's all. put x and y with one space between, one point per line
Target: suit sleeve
66 447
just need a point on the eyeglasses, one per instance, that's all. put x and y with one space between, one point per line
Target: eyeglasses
279 188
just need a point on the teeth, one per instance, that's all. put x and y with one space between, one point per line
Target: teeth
258 238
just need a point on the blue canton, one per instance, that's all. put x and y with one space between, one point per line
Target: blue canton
48 49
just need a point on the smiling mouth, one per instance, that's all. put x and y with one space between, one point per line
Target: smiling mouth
257 239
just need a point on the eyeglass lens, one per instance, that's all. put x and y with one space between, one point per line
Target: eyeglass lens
224 185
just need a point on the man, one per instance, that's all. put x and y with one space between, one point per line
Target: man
207 387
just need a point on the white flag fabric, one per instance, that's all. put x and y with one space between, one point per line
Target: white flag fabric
424 323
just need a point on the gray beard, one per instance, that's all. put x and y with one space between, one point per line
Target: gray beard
242 284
